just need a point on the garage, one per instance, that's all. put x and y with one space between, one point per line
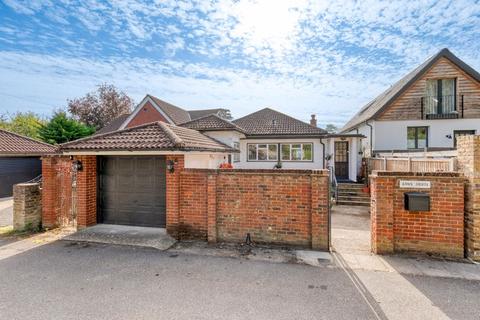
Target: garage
132 190
15 170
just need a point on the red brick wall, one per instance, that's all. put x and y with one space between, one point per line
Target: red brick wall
468 159
57 192
277 207
438 231
146 115
87 192
173 194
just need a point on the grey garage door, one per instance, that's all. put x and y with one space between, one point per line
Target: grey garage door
132 190
15 170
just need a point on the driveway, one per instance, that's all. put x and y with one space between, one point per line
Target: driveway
6 212
351 229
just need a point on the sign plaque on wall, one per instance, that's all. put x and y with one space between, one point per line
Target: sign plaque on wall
415 184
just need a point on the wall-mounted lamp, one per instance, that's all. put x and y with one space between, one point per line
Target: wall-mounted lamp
171 165
77 165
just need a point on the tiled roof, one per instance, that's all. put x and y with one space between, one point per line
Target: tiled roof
196 114
15 144
114 125
211 122
157 136
268 122
177 114
377 105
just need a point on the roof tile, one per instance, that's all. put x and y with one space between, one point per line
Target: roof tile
15 144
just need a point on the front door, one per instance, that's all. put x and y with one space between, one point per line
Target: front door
341 160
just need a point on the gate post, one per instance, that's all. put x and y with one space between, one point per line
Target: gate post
381 213
212 207
320 206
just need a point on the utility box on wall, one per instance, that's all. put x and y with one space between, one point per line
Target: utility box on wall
417 201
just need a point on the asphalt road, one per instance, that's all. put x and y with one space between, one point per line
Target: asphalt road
65 280
88 281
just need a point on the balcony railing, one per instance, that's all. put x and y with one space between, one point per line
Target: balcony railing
442 107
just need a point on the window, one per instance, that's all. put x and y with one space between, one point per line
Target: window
441 96
417 137
457 133
262 152
297 152
236 156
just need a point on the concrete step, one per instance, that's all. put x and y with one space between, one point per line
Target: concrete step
353 198
353 203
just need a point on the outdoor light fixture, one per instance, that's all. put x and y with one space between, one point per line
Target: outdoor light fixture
448 136
77 165
171 165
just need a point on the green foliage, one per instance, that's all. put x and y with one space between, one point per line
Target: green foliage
24 123
61 129
331 128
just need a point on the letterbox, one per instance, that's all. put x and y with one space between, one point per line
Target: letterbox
417 201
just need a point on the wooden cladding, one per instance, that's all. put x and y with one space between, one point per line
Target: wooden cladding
408 105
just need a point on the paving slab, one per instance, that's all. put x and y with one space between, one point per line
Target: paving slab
124 235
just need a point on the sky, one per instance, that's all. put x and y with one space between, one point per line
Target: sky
300 57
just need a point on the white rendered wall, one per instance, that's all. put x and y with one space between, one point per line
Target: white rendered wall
227 137
392 135
317 162
205 161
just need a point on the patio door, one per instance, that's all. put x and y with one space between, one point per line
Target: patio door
341 160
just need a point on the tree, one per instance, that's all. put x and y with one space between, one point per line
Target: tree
24 123
96 109
331 128
62 129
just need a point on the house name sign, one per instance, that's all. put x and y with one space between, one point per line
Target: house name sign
415 184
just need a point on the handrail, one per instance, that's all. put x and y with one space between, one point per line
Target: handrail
37 179
333 182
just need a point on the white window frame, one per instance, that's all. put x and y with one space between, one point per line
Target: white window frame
301 152
267 148
236 155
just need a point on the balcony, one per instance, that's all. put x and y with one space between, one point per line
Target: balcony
442 107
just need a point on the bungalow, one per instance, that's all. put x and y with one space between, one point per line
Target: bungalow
426 110
265 139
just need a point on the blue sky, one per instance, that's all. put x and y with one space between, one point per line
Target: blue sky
299 57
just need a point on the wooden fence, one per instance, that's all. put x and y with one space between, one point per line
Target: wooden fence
412 164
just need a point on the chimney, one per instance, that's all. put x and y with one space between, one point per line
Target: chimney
313 121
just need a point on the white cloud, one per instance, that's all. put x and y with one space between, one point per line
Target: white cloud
301 56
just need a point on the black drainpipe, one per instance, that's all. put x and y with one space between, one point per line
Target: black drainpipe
323 153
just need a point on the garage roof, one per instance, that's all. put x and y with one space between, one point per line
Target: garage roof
155 136
13 144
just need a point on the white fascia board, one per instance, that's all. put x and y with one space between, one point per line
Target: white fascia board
140 107
136 153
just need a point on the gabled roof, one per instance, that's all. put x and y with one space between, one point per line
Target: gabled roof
114 125
15 144
375 107
176 114
196 114
155 136
268 122
211 122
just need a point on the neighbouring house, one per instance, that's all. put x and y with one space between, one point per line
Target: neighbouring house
426 110
152 109
19 160
266 139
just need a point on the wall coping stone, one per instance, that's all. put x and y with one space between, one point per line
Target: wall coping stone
381 173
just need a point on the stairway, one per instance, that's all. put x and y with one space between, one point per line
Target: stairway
351 194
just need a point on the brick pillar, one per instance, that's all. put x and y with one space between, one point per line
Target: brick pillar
212 207
173 195
319 210
27 206
87 192
381 214
49 192
468 160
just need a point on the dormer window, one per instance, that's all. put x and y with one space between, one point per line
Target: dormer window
440 98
